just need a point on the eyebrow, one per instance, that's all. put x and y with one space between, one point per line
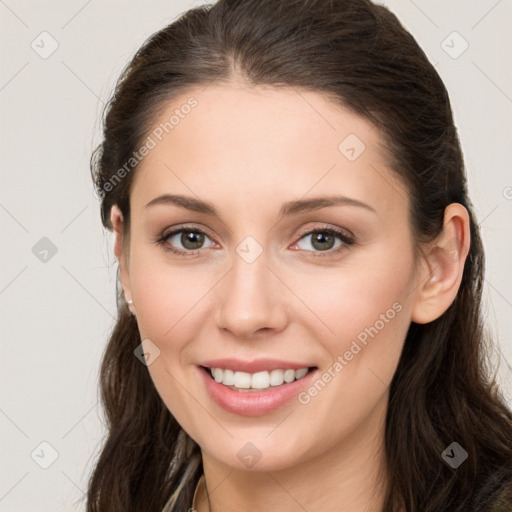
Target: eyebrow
287 209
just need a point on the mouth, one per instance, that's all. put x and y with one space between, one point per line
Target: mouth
258 381
257 387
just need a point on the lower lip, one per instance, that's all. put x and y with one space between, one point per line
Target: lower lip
254 403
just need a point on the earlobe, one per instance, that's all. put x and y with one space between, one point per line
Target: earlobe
117 222
444 266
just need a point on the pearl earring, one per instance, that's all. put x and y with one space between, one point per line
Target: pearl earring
129 302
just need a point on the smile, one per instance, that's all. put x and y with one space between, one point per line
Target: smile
244 381
257 392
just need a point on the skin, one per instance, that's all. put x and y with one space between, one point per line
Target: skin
248 150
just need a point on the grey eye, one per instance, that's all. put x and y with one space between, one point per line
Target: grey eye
321 240
190 239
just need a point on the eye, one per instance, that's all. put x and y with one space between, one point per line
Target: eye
323 239
190 238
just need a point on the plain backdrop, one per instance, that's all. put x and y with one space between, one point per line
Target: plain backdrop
57 282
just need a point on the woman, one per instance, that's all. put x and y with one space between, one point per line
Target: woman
299 322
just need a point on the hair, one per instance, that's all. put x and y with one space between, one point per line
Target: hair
361 57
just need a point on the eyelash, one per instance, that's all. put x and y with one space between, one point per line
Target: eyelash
346 239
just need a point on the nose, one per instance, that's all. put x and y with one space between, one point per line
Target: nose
251 300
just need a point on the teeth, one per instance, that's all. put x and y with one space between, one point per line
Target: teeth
259 380
276 377
228 377
300 373
242 380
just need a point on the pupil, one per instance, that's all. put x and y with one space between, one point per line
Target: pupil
196 239
322 239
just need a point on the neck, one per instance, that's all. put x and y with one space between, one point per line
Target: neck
349 477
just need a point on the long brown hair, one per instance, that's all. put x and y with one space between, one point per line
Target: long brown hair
359 55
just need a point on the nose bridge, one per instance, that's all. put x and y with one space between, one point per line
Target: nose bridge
248 299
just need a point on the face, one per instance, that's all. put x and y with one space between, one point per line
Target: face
267 276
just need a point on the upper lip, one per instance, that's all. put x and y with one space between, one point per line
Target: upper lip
258 365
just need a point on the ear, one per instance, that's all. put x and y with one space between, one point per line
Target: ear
444 266
117 221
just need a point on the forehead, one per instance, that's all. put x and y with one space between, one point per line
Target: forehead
243 120
262 142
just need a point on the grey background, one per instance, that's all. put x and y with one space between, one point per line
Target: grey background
55 314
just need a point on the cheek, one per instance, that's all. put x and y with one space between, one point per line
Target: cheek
367 311
352 299
168 306
166 296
